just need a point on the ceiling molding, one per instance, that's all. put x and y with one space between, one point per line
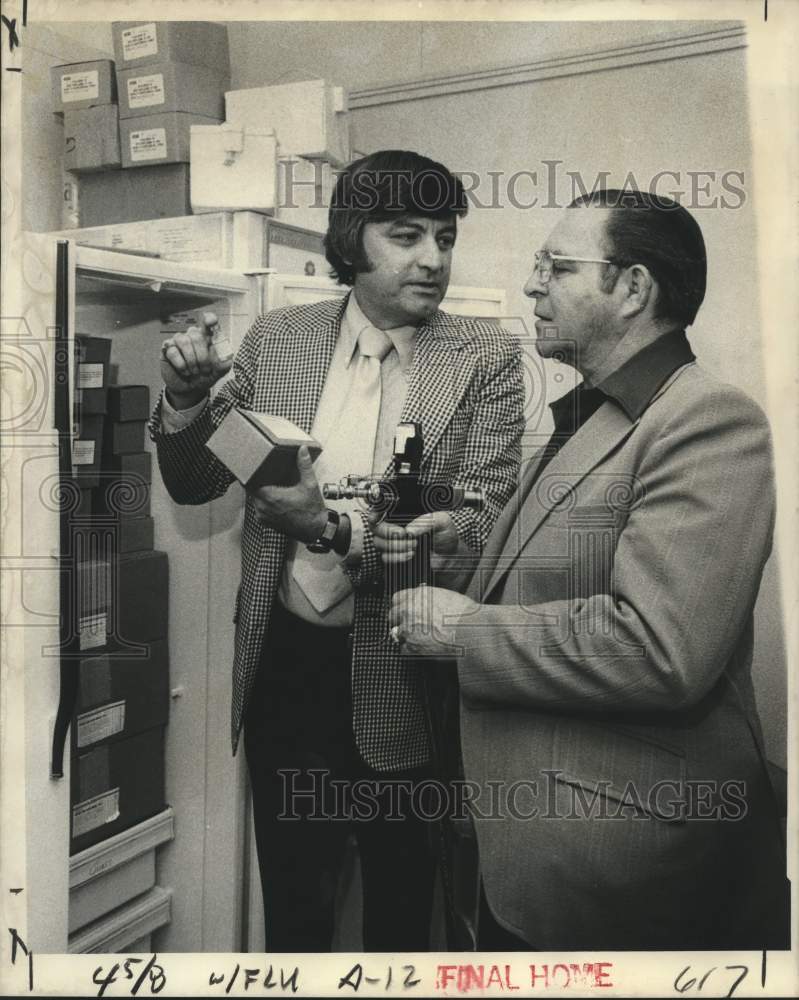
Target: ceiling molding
671 46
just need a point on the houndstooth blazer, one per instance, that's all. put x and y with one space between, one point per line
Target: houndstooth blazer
464 386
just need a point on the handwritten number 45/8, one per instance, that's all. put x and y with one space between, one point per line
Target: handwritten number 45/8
155 972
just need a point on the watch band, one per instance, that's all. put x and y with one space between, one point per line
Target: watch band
324 543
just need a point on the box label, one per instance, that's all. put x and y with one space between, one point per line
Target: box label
139 41
148 144
92 630
94 812
131 237
100 723
83 452
90 376
146 91
80 86
197 238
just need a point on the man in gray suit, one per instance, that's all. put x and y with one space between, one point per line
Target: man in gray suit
605 638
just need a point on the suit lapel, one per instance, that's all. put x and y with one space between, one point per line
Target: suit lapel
436 380
297 374
576 459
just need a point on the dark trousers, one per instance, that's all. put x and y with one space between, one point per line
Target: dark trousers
310 790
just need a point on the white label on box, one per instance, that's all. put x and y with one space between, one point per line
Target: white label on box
80 86
83 452
88 815
145 91
92 630
139 41
100 723
148 144
90 376
129 237
192 239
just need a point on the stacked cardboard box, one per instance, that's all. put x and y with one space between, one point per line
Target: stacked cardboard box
241 165
85 96
170 75
133 156
122 606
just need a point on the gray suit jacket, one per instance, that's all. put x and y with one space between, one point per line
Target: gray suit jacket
605 685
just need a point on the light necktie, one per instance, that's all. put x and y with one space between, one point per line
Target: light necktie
348 449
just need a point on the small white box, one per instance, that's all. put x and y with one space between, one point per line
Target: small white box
310 118
260 449
305 188
233 169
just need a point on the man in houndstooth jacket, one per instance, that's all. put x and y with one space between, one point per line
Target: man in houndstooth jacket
322 693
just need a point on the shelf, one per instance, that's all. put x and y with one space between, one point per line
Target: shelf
121 848
122 928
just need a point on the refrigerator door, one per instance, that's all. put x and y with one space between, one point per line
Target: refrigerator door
134 301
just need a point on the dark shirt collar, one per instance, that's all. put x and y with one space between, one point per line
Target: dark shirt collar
634 384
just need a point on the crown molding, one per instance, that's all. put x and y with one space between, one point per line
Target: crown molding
666 47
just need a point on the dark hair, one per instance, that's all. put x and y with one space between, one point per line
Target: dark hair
655 231
379 187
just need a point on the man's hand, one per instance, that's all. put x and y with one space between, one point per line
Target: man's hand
297 510
397 544
190 364
422 620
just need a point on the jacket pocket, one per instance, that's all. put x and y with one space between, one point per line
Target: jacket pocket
634 773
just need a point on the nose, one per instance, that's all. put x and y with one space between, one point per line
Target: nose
534 287
431 256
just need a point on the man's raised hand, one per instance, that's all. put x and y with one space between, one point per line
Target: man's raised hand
190 364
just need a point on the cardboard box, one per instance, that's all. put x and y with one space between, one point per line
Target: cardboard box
159 138
171 86
136 534
140 43
236 240
83 85
305 190
310 117
91 139
85 505
91 401
258 448
93 356
137 466
92 364
122 498
120 695
87 449
128 402
233 168
140 598
123 438
116 786
134 195
92 595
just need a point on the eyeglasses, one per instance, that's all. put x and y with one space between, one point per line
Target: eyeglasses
544 261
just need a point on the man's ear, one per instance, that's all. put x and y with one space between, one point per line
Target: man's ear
639 290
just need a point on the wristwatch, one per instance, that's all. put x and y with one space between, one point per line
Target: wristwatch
324 543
